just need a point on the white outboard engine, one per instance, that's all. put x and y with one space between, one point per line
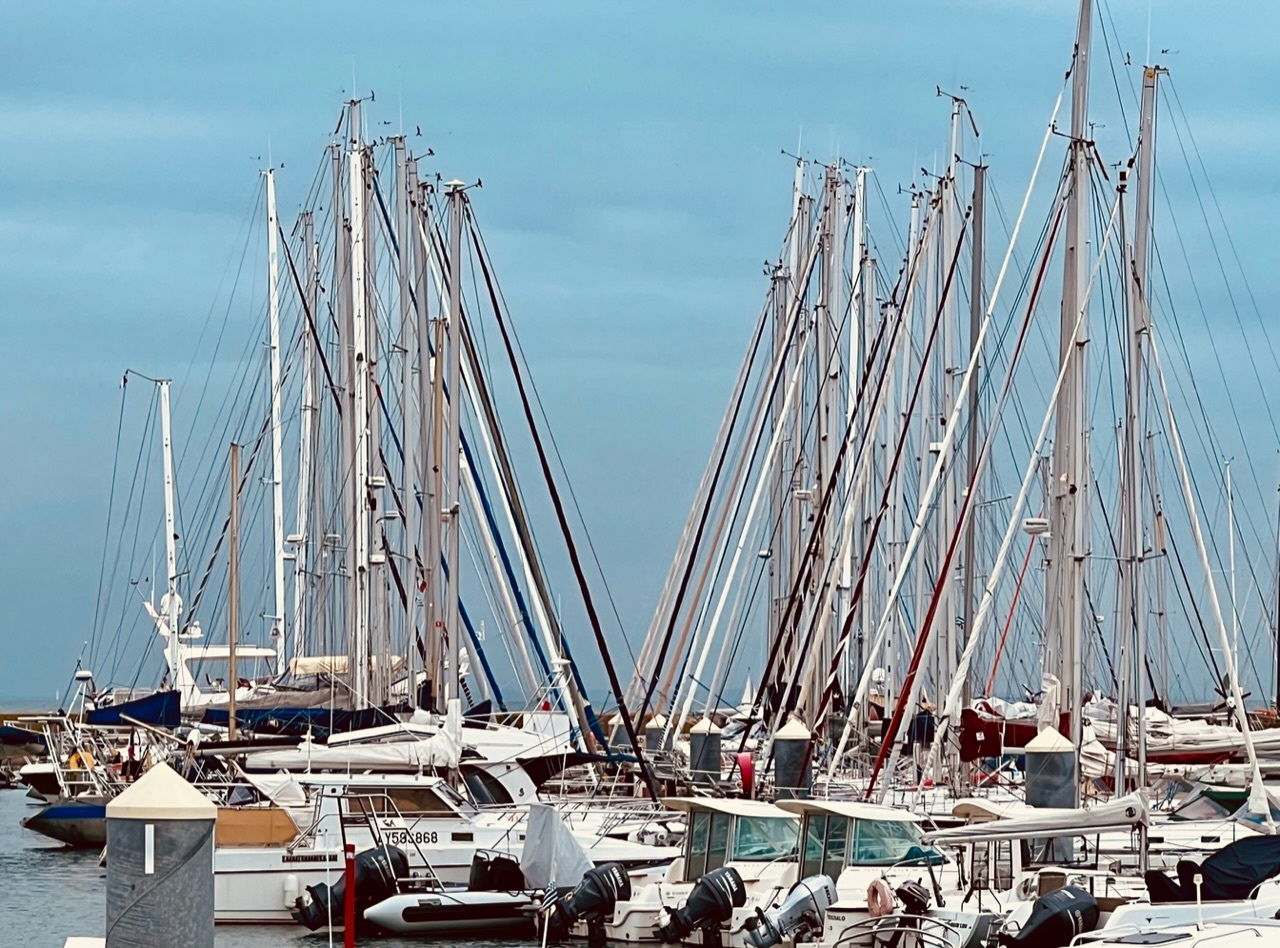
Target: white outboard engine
801 913
710 904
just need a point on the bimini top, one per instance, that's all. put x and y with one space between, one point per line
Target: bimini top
734 806
853 808
981 809
1120 814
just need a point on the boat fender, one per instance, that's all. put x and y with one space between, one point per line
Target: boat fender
291 890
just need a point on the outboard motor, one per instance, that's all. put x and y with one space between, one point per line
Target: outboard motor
801 913
914 897
592 900
710 904
376 873
1055 919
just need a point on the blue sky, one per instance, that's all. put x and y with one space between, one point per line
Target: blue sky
633 184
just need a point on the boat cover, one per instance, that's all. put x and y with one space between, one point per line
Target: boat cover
280 789
1233 872
441 750
551 855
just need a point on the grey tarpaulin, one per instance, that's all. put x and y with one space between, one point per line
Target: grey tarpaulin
551 856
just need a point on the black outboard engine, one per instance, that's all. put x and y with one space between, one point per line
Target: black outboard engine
800 914
1055 919
710 904
592 901
376 873
914 897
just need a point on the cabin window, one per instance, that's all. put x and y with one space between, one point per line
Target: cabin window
815 834
834 850
826 839
695 861
396 800
885 842
719 845
485 787
1004 864
406 800
763 838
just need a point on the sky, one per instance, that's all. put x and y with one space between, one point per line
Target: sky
634 183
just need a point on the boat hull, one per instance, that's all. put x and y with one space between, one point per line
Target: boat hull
453 913
79 825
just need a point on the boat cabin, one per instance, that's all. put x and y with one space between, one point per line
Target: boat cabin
840 834
722 831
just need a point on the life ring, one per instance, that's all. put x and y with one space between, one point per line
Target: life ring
879 898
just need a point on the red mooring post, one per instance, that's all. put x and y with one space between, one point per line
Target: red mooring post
349 898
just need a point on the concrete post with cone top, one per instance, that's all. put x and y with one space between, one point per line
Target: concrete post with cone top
160 864
704 752
1051 776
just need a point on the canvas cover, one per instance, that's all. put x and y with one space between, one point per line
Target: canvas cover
551 855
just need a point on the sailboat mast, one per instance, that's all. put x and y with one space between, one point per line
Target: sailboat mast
1231 568
826 384
1132 554
347 431
452 443
306 446
1068 546
408 423
977 305
277 461
233 587
171 604
948 633
360 679
429 452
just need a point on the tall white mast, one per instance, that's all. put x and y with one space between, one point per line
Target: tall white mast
277 464
857 319
1132 599
451 510
1231 568
306 443
429 454
408 424
360 406
171 605
1069 539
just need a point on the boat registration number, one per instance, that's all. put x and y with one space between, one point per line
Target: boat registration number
397 837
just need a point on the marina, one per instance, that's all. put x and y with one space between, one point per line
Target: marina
965 632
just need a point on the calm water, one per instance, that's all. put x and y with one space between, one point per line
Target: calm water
48 892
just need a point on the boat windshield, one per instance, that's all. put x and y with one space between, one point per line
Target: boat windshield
885 842
1200 806
761 838
832 842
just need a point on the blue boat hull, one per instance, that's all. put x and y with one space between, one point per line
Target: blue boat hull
162 709
80 825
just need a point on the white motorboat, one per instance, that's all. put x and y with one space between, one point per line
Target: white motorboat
258 877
